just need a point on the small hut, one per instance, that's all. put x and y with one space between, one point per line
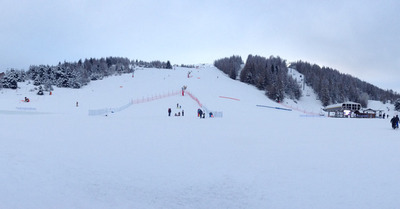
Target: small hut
370 113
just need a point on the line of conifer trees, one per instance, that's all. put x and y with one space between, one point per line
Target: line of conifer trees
230 66
331 86
269 74
75 74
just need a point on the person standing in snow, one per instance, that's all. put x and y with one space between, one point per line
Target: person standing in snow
395 122
183 113
169 111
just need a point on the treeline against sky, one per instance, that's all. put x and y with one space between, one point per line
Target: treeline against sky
269 74
75 74
331 86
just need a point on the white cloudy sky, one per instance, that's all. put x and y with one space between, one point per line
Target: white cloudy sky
361 38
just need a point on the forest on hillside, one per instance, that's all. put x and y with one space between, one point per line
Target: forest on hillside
230 66
331 86
75 74
269 74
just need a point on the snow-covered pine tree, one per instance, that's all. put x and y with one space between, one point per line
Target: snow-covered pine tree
10 79
397 105
168 66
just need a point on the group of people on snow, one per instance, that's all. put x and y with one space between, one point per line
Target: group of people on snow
200 113
179 113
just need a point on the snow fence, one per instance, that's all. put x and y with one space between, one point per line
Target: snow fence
216 114
105 111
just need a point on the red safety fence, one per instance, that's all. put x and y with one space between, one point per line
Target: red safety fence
105 111
194 98
148 99
229 98
156 97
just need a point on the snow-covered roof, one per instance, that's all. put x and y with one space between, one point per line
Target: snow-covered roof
339 106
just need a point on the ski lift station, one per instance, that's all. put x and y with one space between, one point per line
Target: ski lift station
341 110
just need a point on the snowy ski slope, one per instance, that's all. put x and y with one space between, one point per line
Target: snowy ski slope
54 155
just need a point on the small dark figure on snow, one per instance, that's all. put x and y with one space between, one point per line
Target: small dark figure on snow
40 92
183 113
183 90
200 113
395 122
169 111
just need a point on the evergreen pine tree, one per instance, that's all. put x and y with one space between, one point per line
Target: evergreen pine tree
397 105
10 80
169 66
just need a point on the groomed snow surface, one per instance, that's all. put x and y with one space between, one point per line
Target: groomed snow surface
54 155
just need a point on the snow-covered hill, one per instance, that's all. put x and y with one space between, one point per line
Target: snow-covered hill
54 155
311 105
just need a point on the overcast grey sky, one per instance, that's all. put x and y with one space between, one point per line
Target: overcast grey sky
361 38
